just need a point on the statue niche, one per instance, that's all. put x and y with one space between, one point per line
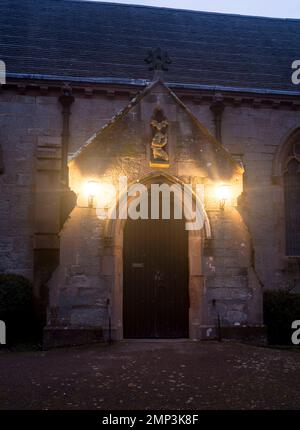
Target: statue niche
159 141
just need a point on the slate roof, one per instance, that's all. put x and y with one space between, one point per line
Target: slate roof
69 38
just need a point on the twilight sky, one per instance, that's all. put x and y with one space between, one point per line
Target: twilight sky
272 8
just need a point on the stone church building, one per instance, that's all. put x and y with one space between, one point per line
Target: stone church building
97 91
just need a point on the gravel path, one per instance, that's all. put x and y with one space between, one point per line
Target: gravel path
149 375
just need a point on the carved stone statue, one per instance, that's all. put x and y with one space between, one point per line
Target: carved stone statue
159 140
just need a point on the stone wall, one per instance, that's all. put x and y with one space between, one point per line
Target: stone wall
78 293
79 287
23 121
26 123
254 134
232 287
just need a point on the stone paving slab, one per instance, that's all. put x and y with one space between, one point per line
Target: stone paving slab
152 375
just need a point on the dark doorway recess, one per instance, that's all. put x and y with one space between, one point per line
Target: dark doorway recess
155 279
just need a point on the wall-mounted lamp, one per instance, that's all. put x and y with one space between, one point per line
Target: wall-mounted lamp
92 191
223 194
107 195
100 194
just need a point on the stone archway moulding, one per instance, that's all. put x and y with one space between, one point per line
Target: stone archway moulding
113 269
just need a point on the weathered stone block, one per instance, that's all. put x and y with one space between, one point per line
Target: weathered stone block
94 317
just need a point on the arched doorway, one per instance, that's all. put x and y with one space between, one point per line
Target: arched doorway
113 267
155 279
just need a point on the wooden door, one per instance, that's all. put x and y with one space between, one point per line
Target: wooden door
155 279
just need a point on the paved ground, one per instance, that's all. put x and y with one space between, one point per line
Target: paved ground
147 375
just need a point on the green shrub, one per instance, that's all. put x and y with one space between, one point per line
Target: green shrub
15 293
16 308
281 308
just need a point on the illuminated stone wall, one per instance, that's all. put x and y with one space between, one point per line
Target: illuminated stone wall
89 268
246 252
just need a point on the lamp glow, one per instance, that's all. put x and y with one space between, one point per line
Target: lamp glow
107 194
92 191
223 194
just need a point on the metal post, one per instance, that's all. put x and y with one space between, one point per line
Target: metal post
109 321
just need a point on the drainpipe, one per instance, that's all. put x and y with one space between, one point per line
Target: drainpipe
67 197
1 161
218 324
66 100
217 107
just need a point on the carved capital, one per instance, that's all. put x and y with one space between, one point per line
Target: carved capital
217 107
66 98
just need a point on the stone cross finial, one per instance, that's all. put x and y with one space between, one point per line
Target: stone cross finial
158 59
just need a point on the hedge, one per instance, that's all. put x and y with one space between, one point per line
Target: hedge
16 308
281 308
